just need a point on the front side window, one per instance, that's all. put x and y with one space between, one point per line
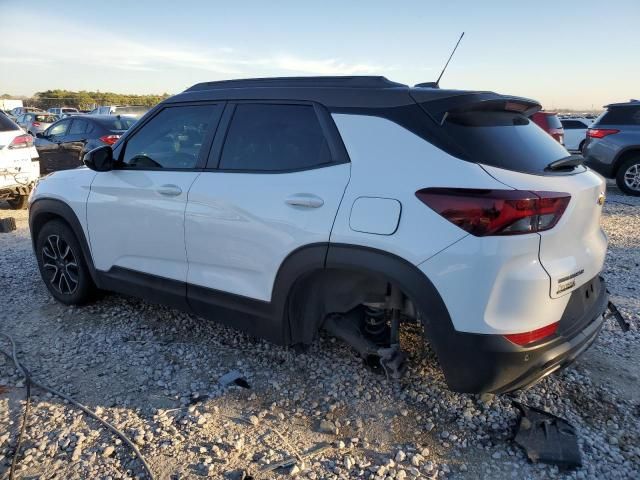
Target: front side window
172 139
264 137
58 129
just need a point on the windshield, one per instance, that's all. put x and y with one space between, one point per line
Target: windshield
620 116
117 122
553 121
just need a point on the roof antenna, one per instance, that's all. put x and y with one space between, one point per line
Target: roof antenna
436 84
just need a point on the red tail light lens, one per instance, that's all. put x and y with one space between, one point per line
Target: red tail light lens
22 141
496 212
600 132
526 338
110 139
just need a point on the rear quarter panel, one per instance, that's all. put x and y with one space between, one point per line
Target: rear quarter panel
390 162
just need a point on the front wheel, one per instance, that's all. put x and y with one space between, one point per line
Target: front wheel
18 203
628 177
62 264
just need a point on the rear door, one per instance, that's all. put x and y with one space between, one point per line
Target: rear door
135 212
72 145
274 183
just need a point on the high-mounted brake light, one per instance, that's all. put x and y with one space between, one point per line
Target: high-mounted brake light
22 141
600 132
526 338
36 124
496 212
109 139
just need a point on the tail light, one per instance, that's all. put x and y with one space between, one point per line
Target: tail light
109 139
526 338
496 212
36 124
22 141
600 132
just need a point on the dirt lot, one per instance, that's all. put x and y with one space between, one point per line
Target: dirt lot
153 372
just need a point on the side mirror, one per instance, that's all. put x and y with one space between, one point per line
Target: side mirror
99 159
41 135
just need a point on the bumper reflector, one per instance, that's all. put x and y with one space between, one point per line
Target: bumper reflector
526 338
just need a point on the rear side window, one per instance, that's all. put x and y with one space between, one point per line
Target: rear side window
6 125
172 139
504 140
78 127
620 116
264 137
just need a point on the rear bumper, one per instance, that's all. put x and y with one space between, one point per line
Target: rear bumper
490 363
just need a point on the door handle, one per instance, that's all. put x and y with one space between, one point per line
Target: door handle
305 200
169 190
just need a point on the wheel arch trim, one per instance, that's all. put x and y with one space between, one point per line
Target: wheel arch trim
45 209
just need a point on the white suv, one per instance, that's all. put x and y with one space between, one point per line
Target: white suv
19 165
282 206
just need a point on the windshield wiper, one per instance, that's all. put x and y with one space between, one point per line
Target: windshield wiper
569 162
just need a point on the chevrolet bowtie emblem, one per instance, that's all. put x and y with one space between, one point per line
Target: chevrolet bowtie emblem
601 198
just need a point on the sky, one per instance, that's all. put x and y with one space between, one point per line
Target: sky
565 54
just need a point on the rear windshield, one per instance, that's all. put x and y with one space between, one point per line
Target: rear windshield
69 110
504 140
132 110
6 125
620 116
553 121
46 118
116 123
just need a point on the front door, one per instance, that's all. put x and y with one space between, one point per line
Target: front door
52 156
135 213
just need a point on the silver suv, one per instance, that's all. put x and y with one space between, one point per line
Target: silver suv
612 147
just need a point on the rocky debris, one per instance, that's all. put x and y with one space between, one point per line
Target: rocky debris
153 372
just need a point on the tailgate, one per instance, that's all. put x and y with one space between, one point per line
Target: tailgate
573 251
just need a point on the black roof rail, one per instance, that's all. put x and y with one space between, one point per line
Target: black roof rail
357 81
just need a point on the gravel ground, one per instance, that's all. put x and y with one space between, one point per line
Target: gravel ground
152 371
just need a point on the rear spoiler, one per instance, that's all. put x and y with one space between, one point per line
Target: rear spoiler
439 108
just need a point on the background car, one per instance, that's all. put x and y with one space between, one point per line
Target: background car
575 132
613 145
62 110
63 144
550 123
16 112
34 123
19 168
130 110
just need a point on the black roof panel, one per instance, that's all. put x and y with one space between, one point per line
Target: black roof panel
309 82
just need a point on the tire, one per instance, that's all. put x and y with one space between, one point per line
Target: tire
628 176
62 265
18 203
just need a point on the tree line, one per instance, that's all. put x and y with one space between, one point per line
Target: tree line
85 100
